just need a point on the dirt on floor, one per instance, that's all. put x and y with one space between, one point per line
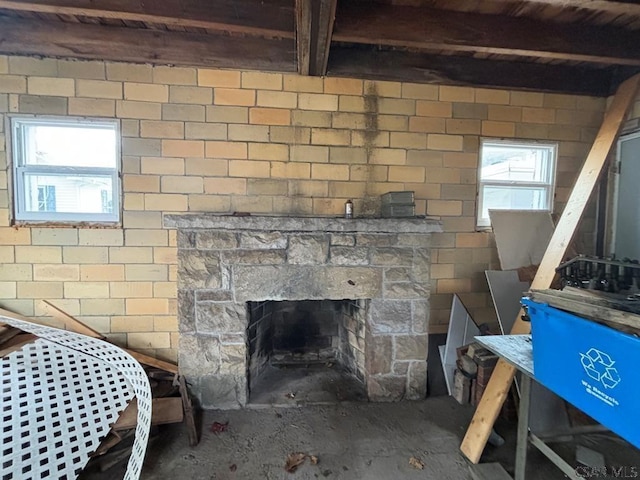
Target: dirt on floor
344 441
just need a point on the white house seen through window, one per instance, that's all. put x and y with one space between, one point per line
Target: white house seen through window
65 170
515 175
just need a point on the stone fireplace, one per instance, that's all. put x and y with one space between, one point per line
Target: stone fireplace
361 285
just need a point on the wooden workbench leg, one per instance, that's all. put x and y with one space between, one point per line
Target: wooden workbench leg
523 428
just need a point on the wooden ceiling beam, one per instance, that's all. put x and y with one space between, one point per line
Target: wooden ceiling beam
314 28
76 40
435 30
248 17
371 63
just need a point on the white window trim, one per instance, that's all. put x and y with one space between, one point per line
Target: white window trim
19 168
485 223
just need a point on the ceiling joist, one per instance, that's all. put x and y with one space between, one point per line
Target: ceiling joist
97 42
436 30
314 28
249 17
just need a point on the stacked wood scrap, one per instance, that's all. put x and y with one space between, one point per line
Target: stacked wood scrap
171 401
621 312
475 366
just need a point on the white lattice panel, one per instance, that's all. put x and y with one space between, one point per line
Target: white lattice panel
59 396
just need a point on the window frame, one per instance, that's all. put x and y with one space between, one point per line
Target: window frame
485 223
18 168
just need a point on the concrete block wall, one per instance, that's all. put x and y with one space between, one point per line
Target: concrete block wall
205 140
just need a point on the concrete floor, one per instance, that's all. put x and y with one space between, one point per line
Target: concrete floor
352 441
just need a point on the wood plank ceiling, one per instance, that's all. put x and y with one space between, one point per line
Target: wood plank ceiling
575 46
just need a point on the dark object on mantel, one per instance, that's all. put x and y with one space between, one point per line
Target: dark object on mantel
609 275
398 204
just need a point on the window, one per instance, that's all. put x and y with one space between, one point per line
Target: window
65 170
515 175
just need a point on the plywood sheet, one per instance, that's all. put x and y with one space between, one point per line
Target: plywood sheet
521 236
462 329
506 291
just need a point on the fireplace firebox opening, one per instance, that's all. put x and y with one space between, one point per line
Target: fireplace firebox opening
309 351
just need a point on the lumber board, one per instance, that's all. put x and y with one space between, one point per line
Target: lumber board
152 362
496 392
192 431
583 305
432 29
163 411
8 333
314 29
70 323
16 343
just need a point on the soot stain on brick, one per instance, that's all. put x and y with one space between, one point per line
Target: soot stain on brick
369 202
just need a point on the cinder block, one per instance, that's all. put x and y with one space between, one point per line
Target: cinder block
92 107
408 140
463 126
347 155
527 99
383 88
406 174
206 166
143 110
145 92
444 207
274 99
136 273
472 240
305 188
80 69
249 168
181 184
85 255
40 104
141 147
54 236
259 186
266 81
444 142
234 96
209 203
344 86
498 129
127 72
419 91
99 89
131 289
231 150
142 237
349 103
86 289
102 306
8 290
218 78
44 67
102 273
206 131
427 124
168 255
299 83
162 166
151 220
268 151
505 113
164 323
160 129
17 271
456 94
39 290
312 101
54 87
132 323
141 183
6 254
183 148
185 113
453 285
293 135
290 170
32 254
195 95
396 106
13 84
329 172
326 136
538 115
149 339
174 75
397 123
130 255
227 114
492 96
166 202
388 156
269 116
262 204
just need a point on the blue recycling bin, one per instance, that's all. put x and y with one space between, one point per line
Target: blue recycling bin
594 367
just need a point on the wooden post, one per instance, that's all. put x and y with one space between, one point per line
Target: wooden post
494 396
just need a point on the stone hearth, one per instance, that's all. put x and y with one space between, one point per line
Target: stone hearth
224 262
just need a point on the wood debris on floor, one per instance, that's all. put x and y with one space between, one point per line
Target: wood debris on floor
171 401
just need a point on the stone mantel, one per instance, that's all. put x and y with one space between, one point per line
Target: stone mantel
302 224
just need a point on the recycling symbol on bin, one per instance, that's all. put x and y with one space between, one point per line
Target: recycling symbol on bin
599 366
